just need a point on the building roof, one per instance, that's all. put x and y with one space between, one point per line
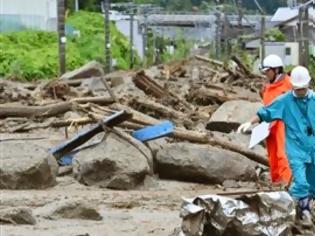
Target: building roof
287 13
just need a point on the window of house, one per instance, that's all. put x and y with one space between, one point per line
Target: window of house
287 51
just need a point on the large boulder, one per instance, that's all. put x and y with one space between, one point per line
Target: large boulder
91 69
203 163
231 114
114 163
26 166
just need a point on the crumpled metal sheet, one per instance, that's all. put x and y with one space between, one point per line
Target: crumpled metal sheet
266 213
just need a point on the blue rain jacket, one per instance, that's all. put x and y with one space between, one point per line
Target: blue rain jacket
297 114
292 111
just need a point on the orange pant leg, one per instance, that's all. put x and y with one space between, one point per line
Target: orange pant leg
279 165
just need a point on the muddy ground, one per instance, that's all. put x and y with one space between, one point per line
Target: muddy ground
153 209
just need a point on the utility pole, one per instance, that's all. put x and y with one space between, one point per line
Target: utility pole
145 39
303 35
225 35
107 36
262 38
61 36
131 40
240 12
76 6
218 36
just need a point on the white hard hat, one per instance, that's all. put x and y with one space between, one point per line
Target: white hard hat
300 77
271 61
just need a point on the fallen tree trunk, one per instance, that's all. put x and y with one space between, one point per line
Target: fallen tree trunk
206 138
9 110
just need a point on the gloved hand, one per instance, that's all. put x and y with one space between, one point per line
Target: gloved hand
244 127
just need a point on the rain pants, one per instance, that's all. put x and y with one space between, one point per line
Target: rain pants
278 162
297 115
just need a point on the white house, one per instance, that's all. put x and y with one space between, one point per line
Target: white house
35 14
288 51
286 20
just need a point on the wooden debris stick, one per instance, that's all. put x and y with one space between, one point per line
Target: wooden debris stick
241 65
244 68
236 148
212 61
110 91
130 140
158 108
137 117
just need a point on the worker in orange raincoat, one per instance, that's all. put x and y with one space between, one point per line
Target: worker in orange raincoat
279 83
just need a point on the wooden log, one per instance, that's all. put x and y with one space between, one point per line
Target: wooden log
235 148
205 96
206 138
137 117
148 85
110 91
158 108
212 61
8 110
103 100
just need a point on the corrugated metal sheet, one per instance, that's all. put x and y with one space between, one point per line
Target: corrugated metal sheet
35 14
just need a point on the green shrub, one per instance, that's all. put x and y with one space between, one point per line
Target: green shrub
34 54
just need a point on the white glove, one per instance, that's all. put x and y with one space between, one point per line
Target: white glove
244 127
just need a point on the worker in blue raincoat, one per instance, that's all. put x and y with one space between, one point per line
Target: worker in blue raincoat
296 109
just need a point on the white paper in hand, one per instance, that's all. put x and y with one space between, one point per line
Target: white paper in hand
259 133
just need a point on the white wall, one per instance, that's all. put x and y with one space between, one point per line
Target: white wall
38 14
293 59
279 49
47 8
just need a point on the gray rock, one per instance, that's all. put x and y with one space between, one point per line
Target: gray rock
231 114
69 209
26 166
17 215
90 69
114 163
203 163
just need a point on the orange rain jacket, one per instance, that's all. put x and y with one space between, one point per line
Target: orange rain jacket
279 166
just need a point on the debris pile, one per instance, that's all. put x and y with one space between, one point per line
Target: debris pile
185 103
